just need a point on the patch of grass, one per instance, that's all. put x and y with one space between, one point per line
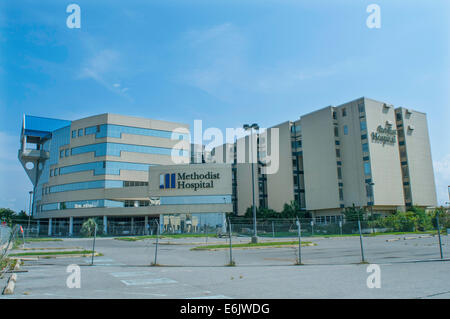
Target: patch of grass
136 238
52 253
250 245
7 262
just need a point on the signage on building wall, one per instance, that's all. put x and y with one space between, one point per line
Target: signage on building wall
384 135
193 181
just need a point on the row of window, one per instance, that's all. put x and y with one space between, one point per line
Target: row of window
169 200
115 149
344 111
80 204
91 185
113 130
100 168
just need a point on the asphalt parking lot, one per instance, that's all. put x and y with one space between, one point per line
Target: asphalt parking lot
409 268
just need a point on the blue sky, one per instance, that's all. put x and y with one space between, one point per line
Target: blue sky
224 62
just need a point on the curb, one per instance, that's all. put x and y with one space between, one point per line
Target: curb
17 265
9 289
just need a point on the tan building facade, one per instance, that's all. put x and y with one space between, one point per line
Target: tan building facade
364 153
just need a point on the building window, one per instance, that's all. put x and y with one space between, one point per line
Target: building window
74 134
56 172
339 172
336 131
365 148
341 194
61 154
367 170
80 132
344 112
67 151
361 107
338 153
345 130
363 125
334 115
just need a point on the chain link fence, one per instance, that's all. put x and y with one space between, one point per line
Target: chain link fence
280 241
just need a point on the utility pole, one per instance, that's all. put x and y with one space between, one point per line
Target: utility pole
251 127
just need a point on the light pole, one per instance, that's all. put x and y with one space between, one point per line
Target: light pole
30 209
371 197
251 127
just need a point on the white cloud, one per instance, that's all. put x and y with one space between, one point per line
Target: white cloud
442 174
104 67
221 64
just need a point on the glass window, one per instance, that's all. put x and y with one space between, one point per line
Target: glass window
67 151
80 132
361 107
344 112
363 125
115 149
338 153
367 170
365 147
61 154
341 194
74 134
334 115
102 168
56 172
336 131
339 172
345 130
205 199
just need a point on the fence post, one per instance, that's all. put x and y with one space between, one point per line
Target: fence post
231 246
439 235
340 226
156 246
299 229
360 241
93 245
273 229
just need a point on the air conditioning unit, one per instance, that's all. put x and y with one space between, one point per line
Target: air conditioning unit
411 127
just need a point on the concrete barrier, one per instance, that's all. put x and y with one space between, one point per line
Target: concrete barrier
9 289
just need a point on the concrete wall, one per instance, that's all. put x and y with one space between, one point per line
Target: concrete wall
280 185
319 160
384 159
420 164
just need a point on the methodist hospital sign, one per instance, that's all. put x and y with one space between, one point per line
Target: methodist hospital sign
384 135
193 181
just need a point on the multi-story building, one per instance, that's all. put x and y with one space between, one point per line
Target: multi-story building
363 153
96 166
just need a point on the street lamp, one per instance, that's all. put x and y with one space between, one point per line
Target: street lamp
30 208
251 127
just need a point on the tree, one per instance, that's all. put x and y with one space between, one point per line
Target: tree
9 216
353 214
88 227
